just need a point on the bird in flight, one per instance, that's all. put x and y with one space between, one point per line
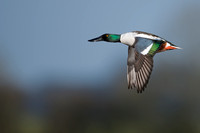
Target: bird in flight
142 47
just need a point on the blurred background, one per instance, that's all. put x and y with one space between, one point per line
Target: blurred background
52 80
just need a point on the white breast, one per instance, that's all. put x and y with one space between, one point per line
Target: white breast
128 38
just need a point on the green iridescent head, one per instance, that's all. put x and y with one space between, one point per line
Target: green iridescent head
107 38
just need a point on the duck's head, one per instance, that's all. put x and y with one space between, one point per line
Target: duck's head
107 38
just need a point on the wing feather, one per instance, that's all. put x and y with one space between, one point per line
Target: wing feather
139 68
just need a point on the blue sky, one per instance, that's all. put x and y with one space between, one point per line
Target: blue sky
44 40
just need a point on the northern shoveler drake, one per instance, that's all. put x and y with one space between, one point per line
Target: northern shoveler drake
142 47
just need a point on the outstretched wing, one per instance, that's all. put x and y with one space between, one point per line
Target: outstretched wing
140 61
139 68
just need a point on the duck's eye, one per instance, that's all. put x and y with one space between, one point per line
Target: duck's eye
106 35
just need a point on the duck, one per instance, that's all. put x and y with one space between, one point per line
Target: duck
142 47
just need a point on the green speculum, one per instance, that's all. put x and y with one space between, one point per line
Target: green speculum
154 48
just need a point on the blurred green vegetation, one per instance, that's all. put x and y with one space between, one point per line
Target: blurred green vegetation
169 104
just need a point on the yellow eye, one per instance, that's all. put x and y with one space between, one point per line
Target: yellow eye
107 35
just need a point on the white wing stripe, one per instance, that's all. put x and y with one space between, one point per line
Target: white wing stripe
146 51
148 36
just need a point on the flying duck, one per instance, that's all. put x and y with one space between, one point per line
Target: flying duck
142 47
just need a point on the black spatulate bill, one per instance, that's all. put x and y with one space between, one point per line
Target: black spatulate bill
96 39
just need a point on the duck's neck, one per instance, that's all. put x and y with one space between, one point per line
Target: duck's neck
113 38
